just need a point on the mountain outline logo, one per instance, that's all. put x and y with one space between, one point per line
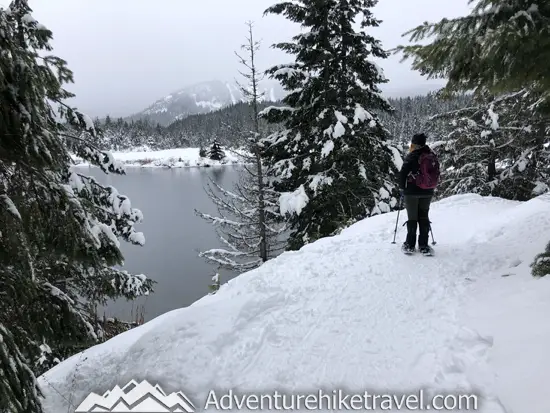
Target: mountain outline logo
136 397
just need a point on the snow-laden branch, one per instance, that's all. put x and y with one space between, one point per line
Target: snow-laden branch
239 226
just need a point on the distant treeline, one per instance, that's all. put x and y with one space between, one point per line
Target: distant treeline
230 126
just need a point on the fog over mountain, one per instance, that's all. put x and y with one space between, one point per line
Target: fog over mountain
202 98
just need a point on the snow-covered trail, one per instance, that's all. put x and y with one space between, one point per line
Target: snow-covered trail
349 312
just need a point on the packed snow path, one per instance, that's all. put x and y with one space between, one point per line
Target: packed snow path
349 312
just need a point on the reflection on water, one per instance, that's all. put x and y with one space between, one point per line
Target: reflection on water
174 234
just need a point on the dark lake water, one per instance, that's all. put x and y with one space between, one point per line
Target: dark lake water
174 235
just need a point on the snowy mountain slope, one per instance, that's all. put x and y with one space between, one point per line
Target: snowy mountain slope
351 312
202 98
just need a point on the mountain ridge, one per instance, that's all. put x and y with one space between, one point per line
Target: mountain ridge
201 98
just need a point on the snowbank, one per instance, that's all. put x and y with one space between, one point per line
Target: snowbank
353 313
171 158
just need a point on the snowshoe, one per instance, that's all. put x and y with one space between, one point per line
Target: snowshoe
407 249
427 250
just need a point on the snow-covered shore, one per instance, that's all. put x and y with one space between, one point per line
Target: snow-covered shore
171 158
352 313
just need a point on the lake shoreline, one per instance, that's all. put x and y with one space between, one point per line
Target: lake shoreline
174 234
172 158
176 165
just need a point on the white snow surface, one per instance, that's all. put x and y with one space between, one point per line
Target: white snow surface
494 119
89 123
397 158
352 312
360 114
293 202
10 206
171 158
327 148
341 118
339 130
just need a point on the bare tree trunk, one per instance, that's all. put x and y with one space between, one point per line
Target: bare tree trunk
249 223
491 164
261 202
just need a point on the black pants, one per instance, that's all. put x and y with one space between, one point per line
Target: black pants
418 208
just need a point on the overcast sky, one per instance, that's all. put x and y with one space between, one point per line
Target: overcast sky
125 54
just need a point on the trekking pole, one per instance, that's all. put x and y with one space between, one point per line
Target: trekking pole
397 220
433 240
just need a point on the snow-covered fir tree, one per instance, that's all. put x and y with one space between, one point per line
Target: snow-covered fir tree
541 264
496 49
494 148
333 159
227 124
135 135
248 243
202 152
412 114
216 152
249 224
59 230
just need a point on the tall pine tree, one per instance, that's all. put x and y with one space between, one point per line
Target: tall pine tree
492 149
59 230
333 159
250 226
500 47
216 152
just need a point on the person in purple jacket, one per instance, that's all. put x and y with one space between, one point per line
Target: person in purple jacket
418 179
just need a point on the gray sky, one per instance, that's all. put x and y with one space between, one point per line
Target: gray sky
125 54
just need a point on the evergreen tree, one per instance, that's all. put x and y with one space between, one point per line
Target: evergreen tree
248 241
333 160
59 230
202 152
138 134
253 96
412 114
250 225
229 125
500 47
216 152
492 149
541 264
